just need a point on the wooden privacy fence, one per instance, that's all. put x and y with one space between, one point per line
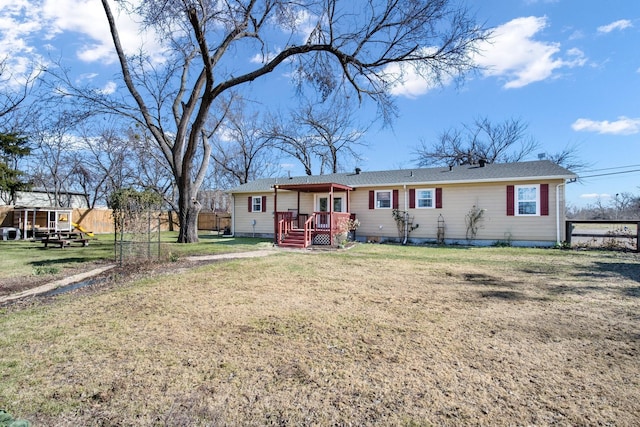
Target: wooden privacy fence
214 221
613 238
100 220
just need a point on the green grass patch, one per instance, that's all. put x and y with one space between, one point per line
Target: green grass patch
377 335
24 258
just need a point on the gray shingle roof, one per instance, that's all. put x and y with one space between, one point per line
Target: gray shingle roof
540 169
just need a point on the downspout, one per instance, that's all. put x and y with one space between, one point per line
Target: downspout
406 217
558 213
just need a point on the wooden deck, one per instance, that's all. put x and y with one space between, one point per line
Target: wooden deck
304 230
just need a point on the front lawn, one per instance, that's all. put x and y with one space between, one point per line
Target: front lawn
26 264
375 335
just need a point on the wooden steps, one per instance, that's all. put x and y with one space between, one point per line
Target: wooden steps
294 239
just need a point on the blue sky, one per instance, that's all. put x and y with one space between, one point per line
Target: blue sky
570 69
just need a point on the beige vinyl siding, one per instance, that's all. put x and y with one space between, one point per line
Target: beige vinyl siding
243 219
374 222
457 201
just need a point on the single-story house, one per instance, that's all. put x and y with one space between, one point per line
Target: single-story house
517 203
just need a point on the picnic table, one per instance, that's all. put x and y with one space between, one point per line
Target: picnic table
64 239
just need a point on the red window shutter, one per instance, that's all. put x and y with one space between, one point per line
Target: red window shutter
396 196
412 198
264 203
250 203
372 199
438 198
510 200
544 199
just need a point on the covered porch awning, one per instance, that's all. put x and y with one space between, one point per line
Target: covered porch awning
329 187
314 188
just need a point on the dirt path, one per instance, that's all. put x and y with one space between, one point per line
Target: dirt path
77 278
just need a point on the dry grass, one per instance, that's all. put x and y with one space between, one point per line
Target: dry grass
377 335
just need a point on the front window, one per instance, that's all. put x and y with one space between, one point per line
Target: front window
424 198
527 200
256 206
383 199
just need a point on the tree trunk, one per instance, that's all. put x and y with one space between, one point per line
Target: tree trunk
189 210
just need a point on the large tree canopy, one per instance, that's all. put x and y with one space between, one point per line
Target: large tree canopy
364 46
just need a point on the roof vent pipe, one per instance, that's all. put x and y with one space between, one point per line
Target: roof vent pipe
358 170
482 162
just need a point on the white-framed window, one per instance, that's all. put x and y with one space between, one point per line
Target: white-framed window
383 199
256 204
425 198
527 200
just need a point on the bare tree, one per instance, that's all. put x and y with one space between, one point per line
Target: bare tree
494 143
324 134
568 157
504 142
351 42
54 157
104 163
285 135
14 89
241 151
332 127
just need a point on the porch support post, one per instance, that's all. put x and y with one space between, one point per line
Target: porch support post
331 215
348 201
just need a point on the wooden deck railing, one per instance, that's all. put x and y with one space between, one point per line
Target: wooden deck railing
284 221
308 231
329 223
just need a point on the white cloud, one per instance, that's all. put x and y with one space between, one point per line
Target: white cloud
23 23
595 196
263 58
109 88
405 79
515 55
622 126
88 20
617 25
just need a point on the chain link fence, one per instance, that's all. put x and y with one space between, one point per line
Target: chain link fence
138 238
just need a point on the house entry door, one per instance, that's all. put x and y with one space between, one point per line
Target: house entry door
322 205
